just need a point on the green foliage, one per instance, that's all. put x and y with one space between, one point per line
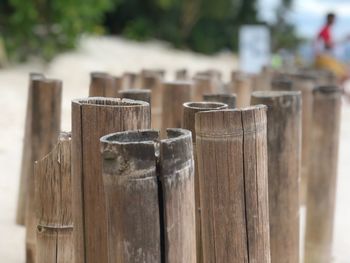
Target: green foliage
43 28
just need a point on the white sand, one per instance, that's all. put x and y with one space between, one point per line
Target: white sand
115 56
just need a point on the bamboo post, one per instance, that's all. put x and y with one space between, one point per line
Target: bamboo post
44 131
323 175
181 74
174 95
129 80
202 85
281 83
189 111
242 87
103 85
159 226
229 99
26 165
232 163
91 119
136 94
284 148
53 199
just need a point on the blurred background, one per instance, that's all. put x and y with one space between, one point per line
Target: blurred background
67 39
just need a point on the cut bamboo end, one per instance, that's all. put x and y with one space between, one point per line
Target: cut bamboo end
91 119
229 99
160 223
54 204
232 161
136 94
283 129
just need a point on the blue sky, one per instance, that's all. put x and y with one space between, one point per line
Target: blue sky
308 15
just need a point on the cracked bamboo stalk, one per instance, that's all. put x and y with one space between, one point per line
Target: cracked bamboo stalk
44 132
190 109
284 151
104 85
323 175
91 119
26 165
232 164
53 199
229 99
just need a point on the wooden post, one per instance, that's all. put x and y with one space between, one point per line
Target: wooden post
242 87
53 199
284 149
181 74
174 95
130 80
26 165
202 85
103 85
189 110
229 99
232 163
44 131
159 226
323 175
136 94
281 83
91 119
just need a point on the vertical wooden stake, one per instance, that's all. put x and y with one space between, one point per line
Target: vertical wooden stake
136 94
284 149
232 163
202 85
323 175
26 165
229 99
103 85
243 88
281 83
181 74
190 109
130 80
174 95
44 131
53 199
91 119
159 226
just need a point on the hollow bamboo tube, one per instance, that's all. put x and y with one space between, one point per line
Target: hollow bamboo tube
323 175
44 131
189 110
26 165
91 119
202 85
229 99
232 163
136 94
103 85
174 95
53 199
242 87
139 169
284 148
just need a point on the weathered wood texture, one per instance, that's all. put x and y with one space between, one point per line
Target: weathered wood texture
284 149
190 109
242 87
174 95
229 99
323 175
44 131
130 80
150 196
26 165
53 199
181 74
202 85
136 94
91 119
104 85
281 83
232 163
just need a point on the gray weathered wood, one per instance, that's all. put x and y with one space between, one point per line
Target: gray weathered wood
44 131
53 200
229 99
136 94
190 109
323 175
26 165
91 119
232 162
284 150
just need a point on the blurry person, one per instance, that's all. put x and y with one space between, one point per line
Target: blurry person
325 45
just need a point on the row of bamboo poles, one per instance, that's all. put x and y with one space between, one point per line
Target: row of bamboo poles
190 170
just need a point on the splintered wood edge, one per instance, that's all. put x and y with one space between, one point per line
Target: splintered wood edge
110 102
